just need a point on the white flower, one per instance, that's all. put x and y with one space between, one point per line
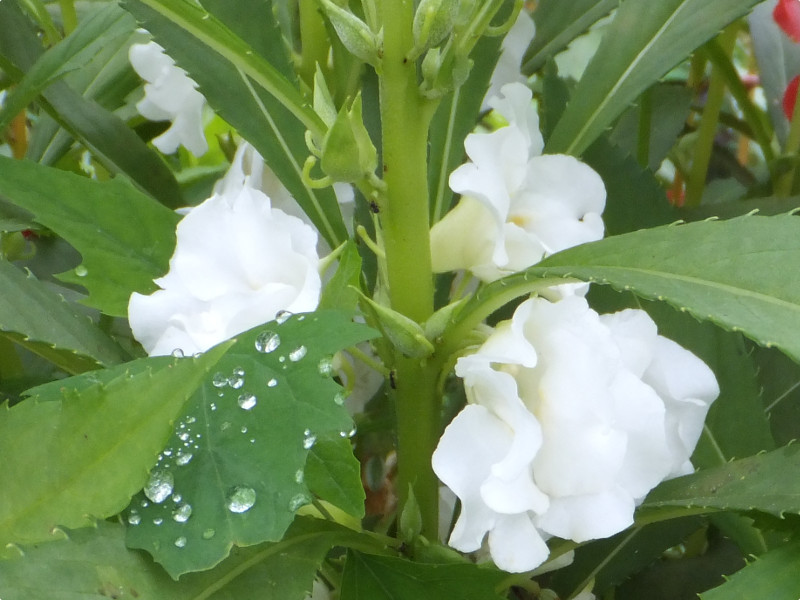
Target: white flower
169 95
517 205
237 262
573 418
514 46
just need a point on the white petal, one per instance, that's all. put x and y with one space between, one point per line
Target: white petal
589 517
464 238
515 544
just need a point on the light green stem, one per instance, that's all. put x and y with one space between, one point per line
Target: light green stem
708 126
68 16
314 41
405 225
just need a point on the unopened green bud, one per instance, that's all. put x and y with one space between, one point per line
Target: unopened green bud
433 22
348 153
403 333
356 35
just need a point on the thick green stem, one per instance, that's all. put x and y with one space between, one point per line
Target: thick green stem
405 225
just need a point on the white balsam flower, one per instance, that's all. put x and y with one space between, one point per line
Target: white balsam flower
573 417
237 262
169 95
518 206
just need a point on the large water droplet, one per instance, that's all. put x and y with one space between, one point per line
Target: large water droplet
240 499
180 542
298 501
267 341
272 382
282 316
159 486
309 439
247 401
325 366
183 458
236 380
81 271
208 534
134 518
298 353
219 380
182 513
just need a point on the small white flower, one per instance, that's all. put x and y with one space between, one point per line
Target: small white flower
169 95
517 205
573 418
237 262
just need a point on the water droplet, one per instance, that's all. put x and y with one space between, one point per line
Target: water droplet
267 341
298 353
208 534
309 439
298 501
178 353
348 434
158 521
247 401
325 366
244 429
212 406
184 436
191 420
182 513
252 440
159 486
282 316
145 504
281 359
340 397
236 380
177 498
272 382
81 271
219 380
299 476
183 458
180 542
198 435
134 518
168 452
240 499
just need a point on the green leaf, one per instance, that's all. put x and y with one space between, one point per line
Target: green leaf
644 41
765 483
94 564
340 292
455 117
368 577
247 85
333 472
773 576
82 446
49 323
557 24
125 237
733 273
236 459
106 136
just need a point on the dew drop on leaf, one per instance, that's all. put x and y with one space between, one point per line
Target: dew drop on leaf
219 380
236 380
168 452
240 499
177 498
182 513
134 518
159 486
267 341
298 501
191 420
243 429
212 406
208 534
272 382
298 353
183 458
340 397
81 271
309 439
282 316
247 401
158 521
180 542
325 366
299 476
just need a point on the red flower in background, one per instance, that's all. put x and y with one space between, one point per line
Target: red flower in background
790 97
787 16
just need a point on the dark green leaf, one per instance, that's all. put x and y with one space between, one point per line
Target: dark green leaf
237 456
368 577
332 472
40 317
82 446
642 43
125 237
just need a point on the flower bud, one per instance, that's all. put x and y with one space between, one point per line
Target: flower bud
433 22
403 333
348 153
356 35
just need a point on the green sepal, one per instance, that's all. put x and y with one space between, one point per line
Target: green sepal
433 22
348 153
354 34
403 333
